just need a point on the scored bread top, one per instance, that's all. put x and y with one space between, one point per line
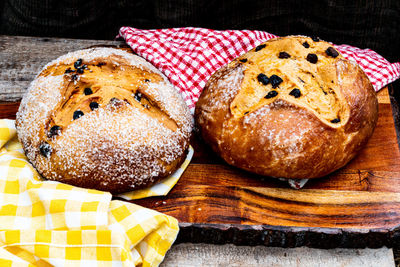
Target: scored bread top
298 70
105 114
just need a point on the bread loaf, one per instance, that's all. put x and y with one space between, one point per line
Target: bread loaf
105 119
292 107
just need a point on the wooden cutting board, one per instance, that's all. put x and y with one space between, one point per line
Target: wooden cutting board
357 206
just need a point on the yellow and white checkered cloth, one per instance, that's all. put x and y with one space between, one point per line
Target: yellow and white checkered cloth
44 223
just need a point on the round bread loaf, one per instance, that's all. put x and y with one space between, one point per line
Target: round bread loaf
105 119
292 107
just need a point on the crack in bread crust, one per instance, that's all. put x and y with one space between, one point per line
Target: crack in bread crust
316 85
104 82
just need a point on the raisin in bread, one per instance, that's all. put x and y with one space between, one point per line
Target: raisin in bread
103 118
293 107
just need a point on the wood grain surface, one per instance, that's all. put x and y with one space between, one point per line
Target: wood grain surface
357 206
196 255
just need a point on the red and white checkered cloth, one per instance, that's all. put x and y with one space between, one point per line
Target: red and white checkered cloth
189 56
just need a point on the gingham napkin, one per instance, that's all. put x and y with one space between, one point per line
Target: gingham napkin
189 56
45 223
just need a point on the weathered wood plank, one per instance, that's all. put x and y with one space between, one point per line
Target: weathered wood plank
228 255
21 59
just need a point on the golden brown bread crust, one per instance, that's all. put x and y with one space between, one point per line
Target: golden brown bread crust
316 120
105 119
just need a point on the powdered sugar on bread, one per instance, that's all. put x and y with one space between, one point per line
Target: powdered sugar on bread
122 144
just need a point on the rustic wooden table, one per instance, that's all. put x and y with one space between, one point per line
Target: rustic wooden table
22 57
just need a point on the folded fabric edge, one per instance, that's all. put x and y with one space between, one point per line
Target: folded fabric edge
163 187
